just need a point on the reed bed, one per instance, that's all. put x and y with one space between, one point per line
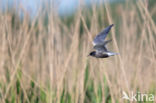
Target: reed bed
44 59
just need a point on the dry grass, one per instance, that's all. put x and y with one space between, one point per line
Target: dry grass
53 55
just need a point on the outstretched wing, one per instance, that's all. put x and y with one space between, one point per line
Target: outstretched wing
99 39
102 47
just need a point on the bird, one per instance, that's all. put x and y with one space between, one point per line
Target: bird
99 44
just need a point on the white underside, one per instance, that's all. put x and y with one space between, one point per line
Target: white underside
111 53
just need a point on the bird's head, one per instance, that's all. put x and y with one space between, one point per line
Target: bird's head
93 53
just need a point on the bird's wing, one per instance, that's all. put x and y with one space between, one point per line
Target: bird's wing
100 48
99 39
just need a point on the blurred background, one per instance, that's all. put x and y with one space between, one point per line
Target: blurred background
64 7
44 47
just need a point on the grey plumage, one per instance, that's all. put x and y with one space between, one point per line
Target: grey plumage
99 39
99 44
101 47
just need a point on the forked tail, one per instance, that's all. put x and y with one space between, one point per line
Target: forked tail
112 54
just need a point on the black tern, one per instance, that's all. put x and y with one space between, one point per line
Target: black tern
99 44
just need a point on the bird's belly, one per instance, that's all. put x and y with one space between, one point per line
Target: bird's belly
102 56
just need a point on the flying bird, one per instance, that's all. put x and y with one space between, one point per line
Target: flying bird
99 44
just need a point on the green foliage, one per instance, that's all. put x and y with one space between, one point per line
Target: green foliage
106 92
65 97
7 74
18 87
42 96
99 95
90 96
34 94
17 93
90 91
86 75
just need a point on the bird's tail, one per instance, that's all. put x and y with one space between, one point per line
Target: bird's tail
112 54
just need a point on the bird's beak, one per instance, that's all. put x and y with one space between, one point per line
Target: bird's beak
88 55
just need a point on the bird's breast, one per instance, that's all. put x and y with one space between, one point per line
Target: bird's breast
102 55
